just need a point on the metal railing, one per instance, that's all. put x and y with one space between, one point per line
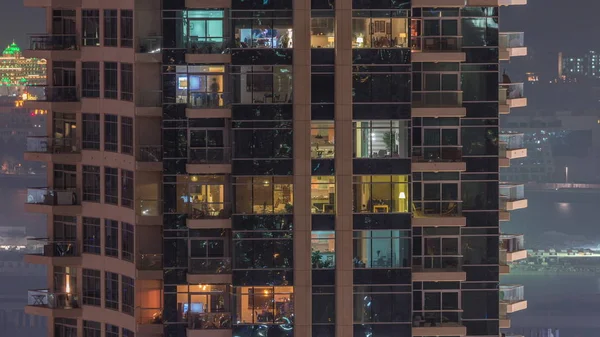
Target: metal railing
209 100
436 43
512 293
150 153
512 192
209 265
209 320
59 94
149 45
442 153
511 39
437 208
209 45
209 155
58 248
52 300
148 99
512 242
53 42
150 261
513 90
210 210
146 207
49 196
43 144
513 140
437 99
149 315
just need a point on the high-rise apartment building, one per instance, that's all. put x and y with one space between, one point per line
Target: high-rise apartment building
586 66
275 168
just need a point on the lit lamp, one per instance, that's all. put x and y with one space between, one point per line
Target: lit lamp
360 40
330 40
403 37
402 197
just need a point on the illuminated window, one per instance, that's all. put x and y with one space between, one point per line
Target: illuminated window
381 194
322 194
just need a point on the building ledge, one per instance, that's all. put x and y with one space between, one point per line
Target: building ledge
516 204
439 112
438 56
443 330
516 153
52 312
439 3
504 323
516 255
439 166
208 58
504 216
439 221
513 306
52 260
504 269
438 275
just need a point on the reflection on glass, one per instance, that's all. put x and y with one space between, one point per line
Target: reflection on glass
381 139
322 31
322 246
262 84
381 194
264 195
322 139
381 249
264 305
263 32
322 194
380 29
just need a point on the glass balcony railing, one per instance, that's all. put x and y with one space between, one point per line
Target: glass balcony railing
209 45
150 261
209 320
210 100
150 45
209 265
502 257
42 144
512 192
149 315
52 197
53 42
513 140
436 43
433 263
512 293
437 208
430 318
511 243
511 40
437 99
52 300
210 210
502 148
58 248
148 99
147 207
150 153
513 90
442 153
53 94
209 155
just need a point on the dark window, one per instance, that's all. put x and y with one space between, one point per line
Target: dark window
91 131
127 135
323 305
91 329
127 295
126 31
127 241
90 27
111 185
111 237
126 82
110 27
111 330
111 292
90 78
127 333
91 287
91 183
111 79
65 327
111 133
91 235
126 188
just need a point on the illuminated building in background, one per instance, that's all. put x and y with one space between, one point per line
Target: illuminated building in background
532 77
572 67
16 71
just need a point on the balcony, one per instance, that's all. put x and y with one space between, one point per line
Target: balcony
438 104
149 49
209 50
48 200
46 149
511 96
63 4
53 47
209 105
149 103
438 269
511 146
504 321
149 321
149 158
213 270
209 324
207 215
438 214
439 3
42 302
149 212
51 98
443 158
513 247
149 266
55 253
209 160
511 44
512 197
437 49
438 323
512 298
504 264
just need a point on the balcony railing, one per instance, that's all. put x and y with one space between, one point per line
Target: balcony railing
512 192
512 242
512 40
503 258
443 153
513 140
150 261
212 45
210 100
150 153
53 42
436 318
150 45
210 265
42 144
209 320
512 293
437 99
437 262
149 315
53 197
53 94
436 43
209 155
513 90
437 208
52 300
149 99
58 248
147 207
210 210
